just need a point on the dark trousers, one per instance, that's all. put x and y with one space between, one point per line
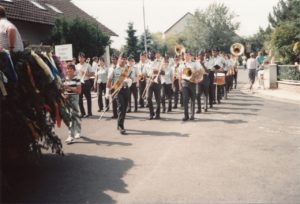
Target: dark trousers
203 88
176 93
166 94
229 83
86 91
142 85
114 108
101 92
212 88
189 92
235 78
122 101
133 91
154 89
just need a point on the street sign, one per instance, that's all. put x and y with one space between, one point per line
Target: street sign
64 52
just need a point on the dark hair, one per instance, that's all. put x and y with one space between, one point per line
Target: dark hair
2 12
144 53
81 54
72 66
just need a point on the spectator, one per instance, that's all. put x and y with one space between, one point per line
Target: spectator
10 37
252 65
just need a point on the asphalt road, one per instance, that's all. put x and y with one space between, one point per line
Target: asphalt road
245 150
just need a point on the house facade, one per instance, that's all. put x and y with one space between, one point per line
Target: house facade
179 26
35 18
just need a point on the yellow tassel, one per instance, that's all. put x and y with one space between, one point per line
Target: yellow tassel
43 65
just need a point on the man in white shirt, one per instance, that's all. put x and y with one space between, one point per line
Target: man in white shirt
252 65
10 37
133 88
142 66
85 71
187 86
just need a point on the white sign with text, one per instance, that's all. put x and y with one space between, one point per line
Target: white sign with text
64 52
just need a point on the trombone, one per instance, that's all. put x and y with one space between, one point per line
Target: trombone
153 78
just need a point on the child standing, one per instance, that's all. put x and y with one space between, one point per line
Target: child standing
72 87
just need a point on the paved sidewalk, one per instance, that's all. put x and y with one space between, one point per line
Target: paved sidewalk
283 95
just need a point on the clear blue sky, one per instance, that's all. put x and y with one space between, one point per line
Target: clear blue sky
161 14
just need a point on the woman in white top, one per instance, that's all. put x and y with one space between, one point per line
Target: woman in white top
100 83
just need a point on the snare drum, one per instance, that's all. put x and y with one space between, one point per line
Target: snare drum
219 79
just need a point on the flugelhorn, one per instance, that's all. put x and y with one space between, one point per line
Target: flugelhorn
237 49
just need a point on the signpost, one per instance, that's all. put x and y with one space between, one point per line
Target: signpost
64 52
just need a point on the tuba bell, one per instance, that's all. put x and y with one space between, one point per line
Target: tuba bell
192 76
237 49
179 50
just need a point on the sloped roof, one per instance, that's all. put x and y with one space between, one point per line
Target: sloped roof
187 14
24 10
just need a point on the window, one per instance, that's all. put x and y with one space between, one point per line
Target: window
54 8
38 5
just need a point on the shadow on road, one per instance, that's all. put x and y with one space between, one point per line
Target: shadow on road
155 133
86 140
228 113
246 104
225 121
236 108
72 179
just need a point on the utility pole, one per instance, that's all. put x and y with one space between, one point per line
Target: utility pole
145 34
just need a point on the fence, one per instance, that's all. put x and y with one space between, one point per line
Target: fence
288 72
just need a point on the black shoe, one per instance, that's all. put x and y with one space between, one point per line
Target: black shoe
210 106
169 110
82 116
107 108
151 117
114 117
164 110
135 110
174 107
157 117
219 101
214 102
142 106
129 111
205 109
185 119
192 118
89 115
99 110
121 130
198 111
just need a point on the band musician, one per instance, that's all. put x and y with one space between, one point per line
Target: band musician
188 86
123 94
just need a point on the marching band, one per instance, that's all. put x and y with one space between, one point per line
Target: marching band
181 80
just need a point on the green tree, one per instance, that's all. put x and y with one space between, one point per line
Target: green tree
141 43
131 47
288 10
260 40
283 39
158 43
213 27
83 35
